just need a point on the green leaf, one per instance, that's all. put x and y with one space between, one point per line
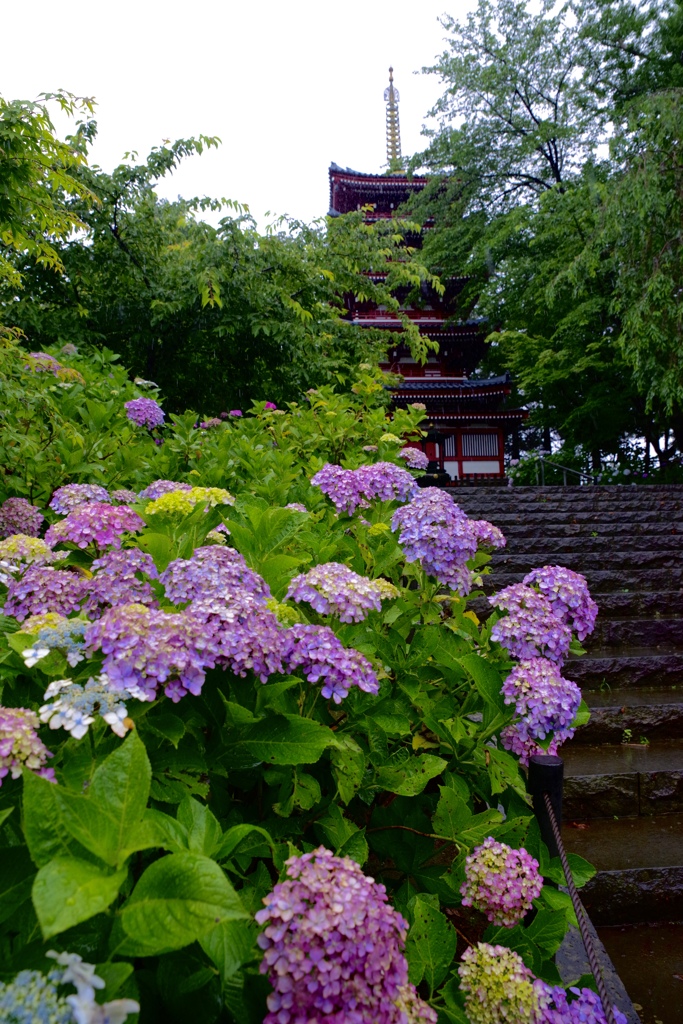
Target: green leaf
451 815
171 727
166 831
283 739
486 679
203 831
4 815
412 776
46 834
68 890
177 901
230 945
16 878
342 836
104 820
234 836
348 767
431 943
547 930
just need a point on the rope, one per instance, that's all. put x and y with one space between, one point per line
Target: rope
581 916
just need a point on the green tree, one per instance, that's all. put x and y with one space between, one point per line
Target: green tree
38 174
217 316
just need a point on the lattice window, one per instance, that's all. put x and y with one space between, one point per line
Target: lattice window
449 446
480 444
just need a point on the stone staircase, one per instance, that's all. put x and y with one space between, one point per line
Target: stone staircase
623 795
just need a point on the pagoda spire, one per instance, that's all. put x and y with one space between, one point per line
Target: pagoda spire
391 98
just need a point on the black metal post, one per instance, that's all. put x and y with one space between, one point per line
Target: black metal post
546 774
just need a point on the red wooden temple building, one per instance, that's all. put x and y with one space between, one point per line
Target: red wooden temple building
466 415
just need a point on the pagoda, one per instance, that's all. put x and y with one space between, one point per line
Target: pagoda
466 416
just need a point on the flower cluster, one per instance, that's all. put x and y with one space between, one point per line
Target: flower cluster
44 589
321 656
95 523
65 635
296 506
67 498
350 489
415 458
159 487
498 986
123 496
31 998
17 515
117 580
76 706
145 650
145 412
501 882
334 589
531 627
488 535
21 549
553 1007
20 746
182 501
569 596
438 534
212 571
546 703
333 946
238 632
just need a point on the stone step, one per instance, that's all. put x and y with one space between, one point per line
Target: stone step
557 548
563 517
652 713
627 667
585 561
649 958
639 865
602 580
640 603
622 780
528 527
635 632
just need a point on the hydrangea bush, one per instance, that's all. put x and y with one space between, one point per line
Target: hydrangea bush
255 748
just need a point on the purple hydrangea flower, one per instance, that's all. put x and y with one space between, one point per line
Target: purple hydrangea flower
297 506
44 589
234 412
159 487
334 589
501 882
546 703
569 596
20 747
43 362
553 1006
531 627
145 650
438 534
349 489
488 535
17 515
116 581
321 656
67 498
145 412
239 633
333 947
270 405
212 571
123 496
95 523
415 458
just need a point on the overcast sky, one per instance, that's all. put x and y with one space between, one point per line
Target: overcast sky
288 85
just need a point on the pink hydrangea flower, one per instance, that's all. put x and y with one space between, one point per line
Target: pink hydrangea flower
20 746
501 882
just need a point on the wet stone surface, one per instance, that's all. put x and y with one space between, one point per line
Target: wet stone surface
649 957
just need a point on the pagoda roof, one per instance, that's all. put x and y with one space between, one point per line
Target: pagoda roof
443 387
356 189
